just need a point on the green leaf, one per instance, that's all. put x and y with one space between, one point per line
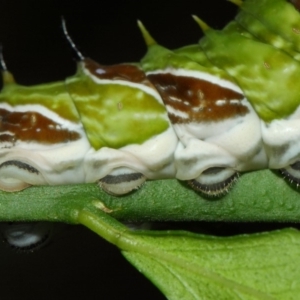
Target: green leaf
187 266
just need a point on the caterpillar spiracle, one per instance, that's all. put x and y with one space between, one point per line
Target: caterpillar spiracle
202 113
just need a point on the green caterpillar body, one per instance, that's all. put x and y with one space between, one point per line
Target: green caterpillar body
201 113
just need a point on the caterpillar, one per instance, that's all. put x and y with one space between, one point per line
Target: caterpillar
202 114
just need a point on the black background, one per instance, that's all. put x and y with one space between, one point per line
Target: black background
78 264
35 49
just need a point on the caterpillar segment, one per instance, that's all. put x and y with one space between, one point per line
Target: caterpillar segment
42 141
218 129
125 122
127 126
268 79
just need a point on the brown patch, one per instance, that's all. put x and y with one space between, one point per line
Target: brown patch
197 98
116 72
7 138
32 127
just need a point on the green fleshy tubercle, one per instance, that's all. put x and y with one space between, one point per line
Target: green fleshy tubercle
7 78
196 54
156 54
52 96
267 76
149 40
115 115
261 32
187 58
279 16
204 26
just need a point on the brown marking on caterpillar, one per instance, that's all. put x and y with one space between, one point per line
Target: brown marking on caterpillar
125 72
7 138
34 127
116 72
198 99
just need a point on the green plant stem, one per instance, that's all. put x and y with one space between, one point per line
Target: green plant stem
105 226
257 196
